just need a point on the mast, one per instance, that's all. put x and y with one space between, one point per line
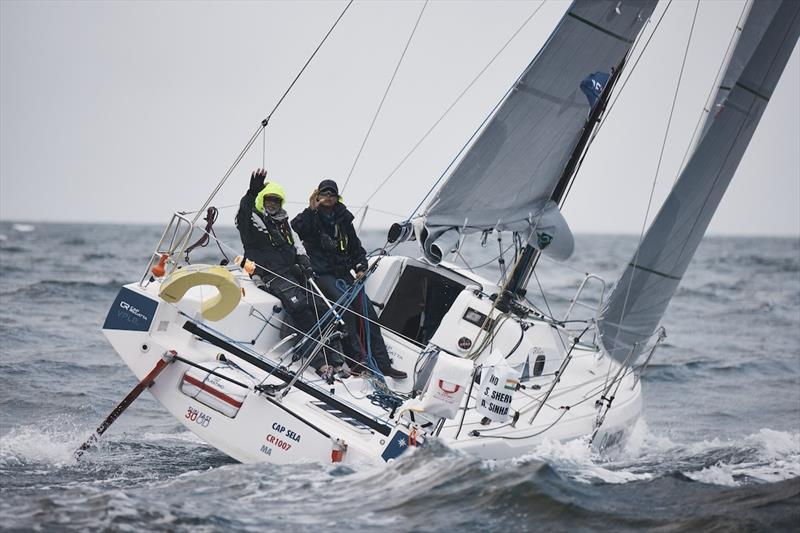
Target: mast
519 277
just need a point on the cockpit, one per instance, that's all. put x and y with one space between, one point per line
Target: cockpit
412 297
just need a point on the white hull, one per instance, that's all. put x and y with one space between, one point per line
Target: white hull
306 422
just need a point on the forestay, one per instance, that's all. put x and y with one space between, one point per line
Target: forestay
758 18
638 301
506 179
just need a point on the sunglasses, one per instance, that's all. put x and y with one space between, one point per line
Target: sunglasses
330 194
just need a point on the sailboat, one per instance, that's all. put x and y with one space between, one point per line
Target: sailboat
489 374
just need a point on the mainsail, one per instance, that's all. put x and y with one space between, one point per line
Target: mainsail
641 295
506 179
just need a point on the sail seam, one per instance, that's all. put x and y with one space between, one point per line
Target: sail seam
600 28
752 91
656 272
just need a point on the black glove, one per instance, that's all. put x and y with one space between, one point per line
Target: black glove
257 180
360 267
305 266
327 243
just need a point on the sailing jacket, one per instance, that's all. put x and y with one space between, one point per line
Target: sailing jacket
267 239
331 241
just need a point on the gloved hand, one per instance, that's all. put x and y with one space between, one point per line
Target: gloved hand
257 180
305 266
361 270
313 203
327 242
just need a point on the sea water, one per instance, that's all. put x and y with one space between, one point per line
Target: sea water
718 446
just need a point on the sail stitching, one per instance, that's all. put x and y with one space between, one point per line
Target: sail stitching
752 91
600 28
650 270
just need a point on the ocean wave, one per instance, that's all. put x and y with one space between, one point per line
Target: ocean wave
681 371
12 249
96 256
61 288
171 480
787 263
766 456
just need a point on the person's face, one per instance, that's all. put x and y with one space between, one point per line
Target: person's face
272 204
327 198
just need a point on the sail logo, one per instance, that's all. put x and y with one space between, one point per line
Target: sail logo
543 240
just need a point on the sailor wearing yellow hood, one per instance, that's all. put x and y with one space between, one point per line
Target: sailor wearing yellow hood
267 239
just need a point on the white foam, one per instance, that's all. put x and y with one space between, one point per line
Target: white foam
767 455
719 474
576 459
641 442
30 444
23 228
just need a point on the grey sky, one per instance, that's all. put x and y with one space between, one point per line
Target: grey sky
126 112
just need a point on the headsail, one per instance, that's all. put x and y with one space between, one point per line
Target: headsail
641 295
758 18
507 177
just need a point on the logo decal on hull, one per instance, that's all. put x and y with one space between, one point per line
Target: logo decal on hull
131 311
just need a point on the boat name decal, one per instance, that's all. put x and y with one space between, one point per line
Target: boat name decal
198 417
278 442
289 433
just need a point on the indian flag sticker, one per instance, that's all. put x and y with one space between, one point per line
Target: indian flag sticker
511 384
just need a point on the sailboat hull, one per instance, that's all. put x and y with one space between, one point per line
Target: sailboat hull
337 422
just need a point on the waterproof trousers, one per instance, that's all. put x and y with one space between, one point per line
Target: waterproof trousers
298 305
354 344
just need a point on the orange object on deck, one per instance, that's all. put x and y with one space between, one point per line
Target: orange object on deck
160 268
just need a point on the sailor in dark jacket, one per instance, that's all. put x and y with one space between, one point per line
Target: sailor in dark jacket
326 229
267 239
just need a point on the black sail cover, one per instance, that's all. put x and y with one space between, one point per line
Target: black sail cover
507 177
640 297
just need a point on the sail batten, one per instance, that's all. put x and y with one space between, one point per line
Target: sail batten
640 297
507 176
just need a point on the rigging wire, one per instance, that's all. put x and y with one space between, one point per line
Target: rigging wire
385 94
266 120
447 111
658 165
339 307
633 68
607 112
264 123
717 80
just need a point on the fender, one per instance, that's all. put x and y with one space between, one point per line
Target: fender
174 287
